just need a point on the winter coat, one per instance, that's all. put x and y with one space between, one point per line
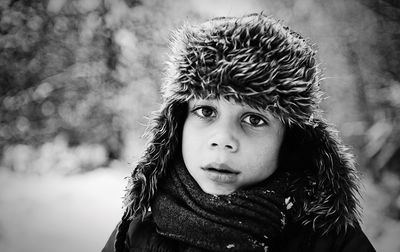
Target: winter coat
142 237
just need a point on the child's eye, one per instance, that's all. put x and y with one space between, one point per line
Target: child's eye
204 112
254 120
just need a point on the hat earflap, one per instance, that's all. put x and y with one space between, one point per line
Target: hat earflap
161 147
329 178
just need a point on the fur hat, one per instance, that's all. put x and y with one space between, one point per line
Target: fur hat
258 61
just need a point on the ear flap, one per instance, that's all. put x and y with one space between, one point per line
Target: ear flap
161 147
327 176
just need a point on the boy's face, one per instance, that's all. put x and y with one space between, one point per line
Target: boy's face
227 145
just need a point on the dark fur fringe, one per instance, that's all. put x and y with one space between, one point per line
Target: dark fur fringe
329 199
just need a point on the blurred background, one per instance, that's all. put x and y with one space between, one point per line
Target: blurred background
78 77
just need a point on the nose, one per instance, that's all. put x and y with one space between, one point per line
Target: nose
224 141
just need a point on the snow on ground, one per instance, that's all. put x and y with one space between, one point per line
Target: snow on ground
55 213
78 212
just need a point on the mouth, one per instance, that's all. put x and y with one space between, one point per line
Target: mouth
221 173
220 168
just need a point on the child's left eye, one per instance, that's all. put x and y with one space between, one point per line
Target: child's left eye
254 120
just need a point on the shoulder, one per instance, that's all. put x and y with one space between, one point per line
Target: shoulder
142 236
304 239
134 226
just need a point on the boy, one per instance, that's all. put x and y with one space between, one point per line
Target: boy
239 157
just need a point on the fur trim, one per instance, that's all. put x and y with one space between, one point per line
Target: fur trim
326 183
258 61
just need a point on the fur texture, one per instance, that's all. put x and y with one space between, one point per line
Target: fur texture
258 61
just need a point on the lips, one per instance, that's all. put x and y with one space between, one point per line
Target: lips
220 173
222 168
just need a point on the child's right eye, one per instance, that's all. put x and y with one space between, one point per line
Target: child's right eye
204 112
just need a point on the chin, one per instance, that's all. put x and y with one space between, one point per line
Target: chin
218 190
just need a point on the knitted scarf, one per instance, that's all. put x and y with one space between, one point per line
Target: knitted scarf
249 219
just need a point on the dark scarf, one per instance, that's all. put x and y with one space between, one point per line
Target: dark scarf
249 219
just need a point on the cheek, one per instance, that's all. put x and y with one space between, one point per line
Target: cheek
190 141
265 153
185 141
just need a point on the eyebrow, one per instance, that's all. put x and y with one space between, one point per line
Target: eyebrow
267 113
202 101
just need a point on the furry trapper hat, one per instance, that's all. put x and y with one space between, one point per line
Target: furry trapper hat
258 61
